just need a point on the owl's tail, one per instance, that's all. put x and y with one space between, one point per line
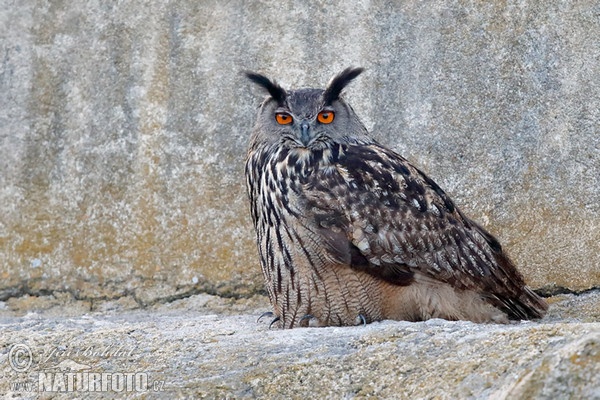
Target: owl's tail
528 305
517 299
514 297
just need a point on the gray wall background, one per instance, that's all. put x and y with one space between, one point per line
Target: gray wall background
124 126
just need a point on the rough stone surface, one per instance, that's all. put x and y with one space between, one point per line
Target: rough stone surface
209 347
124 125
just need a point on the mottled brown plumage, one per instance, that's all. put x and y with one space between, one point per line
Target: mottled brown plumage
349 231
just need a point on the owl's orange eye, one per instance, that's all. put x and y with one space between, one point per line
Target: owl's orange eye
283 118
326 117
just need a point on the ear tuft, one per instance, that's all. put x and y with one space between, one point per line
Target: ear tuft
338 83
276 91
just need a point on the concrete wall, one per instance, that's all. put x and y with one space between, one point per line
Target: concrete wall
124 126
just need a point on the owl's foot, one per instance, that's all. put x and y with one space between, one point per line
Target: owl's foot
268 314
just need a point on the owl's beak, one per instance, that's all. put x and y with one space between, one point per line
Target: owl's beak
304 132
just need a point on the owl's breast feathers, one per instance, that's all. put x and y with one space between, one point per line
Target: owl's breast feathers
379 214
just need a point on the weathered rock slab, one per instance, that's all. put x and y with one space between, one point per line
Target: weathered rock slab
209 347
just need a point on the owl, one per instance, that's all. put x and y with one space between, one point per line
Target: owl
349 232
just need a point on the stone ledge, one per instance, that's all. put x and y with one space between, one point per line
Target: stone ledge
209 347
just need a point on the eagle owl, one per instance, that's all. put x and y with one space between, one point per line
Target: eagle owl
350 232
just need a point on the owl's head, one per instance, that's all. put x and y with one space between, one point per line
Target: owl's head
307 118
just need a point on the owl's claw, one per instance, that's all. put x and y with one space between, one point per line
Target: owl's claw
306 317
272 322
362 319
265 314
268 314
311 320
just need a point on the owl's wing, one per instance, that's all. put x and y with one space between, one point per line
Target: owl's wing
381 215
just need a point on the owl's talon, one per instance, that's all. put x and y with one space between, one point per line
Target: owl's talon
268 314
265 314
309 318
272 322
362 319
